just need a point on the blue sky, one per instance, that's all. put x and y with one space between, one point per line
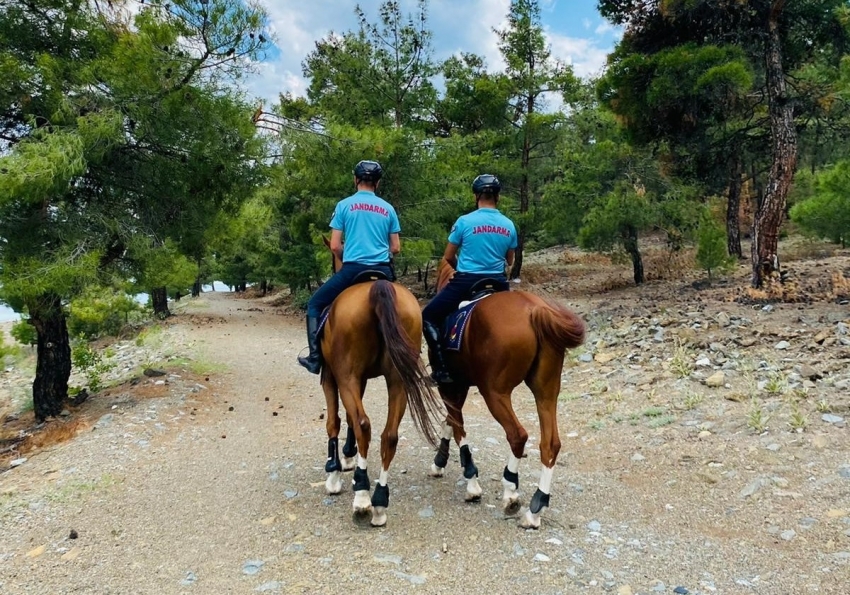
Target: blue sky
576 33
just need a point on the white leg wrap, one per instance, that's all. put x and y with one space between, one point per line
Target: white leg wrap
545 483
513 463
333 484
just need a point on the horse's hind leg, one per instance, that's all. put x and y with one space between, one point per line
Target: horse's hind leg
545 384
499 403
396 405
333 483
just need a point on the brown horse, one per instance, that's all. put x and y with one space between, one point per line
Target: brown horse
511 337
374 328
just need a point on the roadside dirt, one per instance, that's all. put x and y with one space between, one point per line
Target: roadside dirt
213 482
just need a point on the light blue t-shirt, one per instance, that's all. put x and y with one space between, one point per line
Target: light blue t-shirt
484 237
366 222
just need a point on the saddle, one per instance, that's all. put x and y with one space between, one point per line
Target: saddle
456 323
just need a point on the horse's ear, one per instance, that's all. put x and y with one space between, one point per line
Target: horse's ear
326 241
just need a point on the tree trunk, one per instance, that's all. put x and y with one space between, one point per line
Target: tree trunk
733 210
630 243
196 287
516 269
53 364
768 219
264 285
159 299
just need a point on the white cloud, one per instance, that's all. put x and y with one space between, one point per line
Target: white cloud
585 56
587 24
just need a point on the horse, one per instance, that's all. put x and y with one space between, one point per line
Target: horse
511 337
373 328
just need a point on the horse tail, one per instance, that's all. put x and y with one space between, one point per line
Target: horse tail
405 356
557 326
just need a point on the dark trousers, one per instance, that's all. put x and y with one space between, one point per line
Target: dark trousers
338 283
450 297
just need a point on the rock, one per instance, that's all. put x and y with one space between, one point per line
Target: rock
704 434
841 556
806 371
831 418
842 329
723 319
703 362
541 558
637 457
426 513
190 579
708 478
585 357
782 345
17 462
716 380
290 494
753 487
554 541
411 578
625 590
836 513
822 336
773 447
152 372
844 472
72 554
594 526
270 586
788 534
294 548
681 591
252 567
604 358
388 559
36 552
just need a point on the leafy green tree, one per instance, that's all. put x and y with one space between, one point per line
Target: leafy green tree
112 132
778 38
826 214
532 73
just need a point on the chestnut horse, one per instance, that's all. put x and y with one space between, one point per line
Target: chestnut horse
374 328
511 337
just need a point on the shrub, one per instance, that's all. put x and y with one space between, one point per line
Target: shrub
98 313
711 250
24 333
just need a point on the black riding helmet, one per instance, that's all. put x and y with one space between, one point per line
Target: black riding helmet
368 171
486 184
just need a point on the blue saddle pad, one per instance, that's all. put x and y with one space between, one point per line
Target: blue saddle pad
456 326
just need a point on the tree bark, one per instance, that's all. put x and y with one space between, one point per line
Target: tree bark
53 363
159 299
630 243
516 269
768 219
196 287
733 210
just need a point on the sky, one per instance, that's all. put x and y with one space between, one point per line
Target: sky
576 33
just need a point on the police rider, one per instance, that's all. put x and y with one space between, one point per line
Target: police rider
480 246
370 229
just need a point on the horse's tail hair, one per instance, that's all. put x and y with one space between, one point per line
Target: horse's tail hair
557 326
405 356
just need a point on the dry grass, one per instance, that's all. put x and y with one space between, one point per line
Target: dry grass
664 265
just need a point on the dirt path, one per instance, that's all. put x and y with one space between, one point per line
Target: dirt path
183 495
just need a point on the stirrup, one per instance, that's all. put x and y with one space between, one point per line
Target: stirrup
441 377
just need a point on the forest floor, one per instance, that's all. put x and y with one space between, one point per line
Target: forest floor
705 450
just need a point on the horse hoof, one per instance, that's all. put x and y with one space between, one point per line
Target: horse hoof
511 507
530 520
348 464
362 502
379 516
436 471
333 484
473 490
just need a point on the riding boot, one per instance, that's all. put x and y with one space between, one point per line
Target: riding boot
312 362
439 370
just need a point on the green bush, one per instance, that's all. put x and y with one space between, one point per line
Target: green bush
711 248
91 364
300 297
5 350
24 333
99 313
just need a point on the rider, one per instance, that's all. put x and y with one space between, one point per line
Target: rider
486 240
371 228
